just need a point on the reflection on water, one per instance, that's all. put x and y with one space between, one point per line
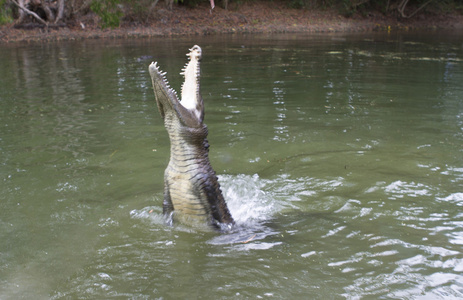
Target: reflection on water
339 156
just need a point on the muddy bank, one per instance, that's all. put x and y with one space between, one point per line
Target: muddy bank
249 17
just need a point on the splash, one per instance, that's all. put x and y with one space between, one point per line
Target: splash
252 207
249 202
247 199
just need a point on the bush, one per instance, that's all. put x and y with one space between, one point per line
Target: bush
6 13
109 11
139 10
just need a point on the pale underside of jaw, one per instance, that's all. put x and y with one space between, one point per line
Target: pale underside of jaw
190 88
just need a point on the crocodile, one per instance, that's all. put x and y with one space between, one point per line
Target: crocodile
191 187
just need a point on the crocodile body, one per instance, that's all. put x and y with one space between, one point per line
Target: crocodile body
191 187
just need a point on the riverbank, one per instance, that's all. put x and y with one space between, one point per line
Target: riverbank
248 17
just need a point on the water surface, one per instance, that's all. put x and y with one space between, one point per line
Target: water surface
340 157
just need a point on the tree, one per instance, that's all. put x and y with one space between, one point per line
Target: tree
403 4
53 10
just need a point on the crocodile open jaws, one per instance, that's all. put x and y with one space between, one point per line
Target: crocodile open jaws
191 187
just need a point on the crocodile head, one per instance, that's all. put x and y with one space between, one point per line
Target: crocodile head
190 110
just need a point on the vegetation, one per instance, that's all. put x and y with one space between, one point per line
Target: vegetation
112 12
109 11
403 8
6 13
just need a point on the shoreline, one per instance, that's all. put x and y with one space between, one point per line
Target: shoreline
252 17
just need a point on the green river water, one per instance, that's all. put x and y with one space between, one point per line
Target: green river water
340 157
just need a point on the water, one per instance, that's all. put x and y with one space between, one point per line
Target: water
340 157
